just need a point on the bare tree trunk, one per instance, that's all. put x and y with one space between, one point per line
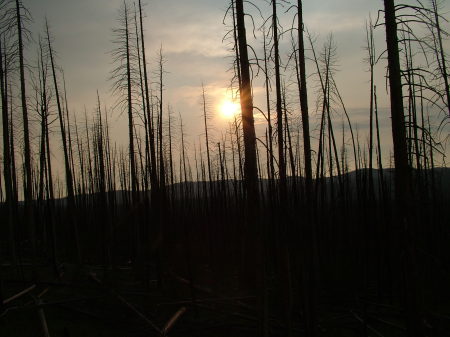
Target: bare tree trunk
236 43
7 152
69 135
90 177
28 183
171 154
377 126
402 169
153 175
281 157
208 158
372 59
68 171
162 171
50 191
304 101
271 172
248 124
442 62
239 148
13 152
69 180
145 169
43 112
5 124
26 133
289 144
130 108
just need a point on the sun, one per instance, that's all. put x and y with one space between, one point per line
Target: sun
229 108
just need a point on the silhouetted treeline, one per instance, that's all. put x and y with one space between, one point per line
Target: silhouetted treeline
298 229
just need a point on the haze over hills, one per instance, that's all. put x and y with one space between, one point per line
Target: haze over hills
207 168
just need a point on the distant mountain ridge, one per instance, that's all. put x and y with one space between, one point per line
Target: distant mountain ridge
198 188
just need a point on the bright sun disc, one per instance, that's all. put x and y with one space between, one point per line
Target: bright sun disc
229 109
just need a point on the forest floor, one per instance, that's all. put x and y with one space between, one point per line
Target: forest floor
93 302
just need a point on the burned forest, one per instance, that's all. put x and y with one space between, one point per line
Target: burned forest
224 168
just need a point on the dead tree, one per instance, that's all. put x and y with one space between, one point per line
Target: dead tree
304 101
371 59
248 123
207 140
441 53
153 175
402 169
8 182
21 12
280 136
67 166
122 76
270 159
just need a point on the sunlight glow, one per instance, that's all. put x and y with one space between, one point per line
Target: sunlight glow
229 109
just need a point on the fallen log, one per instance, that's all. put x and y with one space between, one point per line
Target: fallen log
18 295
170 323
126 303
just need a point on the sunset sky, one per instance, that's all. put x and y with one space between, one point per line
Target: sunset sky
190 33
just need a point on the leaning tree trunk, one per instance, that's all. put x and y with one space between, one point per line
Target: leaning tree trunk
68 171
304 102
441 53
69 179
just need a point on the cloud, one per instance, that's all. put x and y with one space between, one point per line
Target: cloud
335 22
194 39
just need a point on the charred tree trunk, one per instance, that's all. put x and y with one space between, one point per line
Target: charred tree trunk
402 171
304 102
26 133
130 108
153 175
68 171
8 182
248 123
67 166
208 158
281 156
441 53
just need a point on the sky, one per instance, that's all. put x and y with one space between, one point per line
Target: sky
191 34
